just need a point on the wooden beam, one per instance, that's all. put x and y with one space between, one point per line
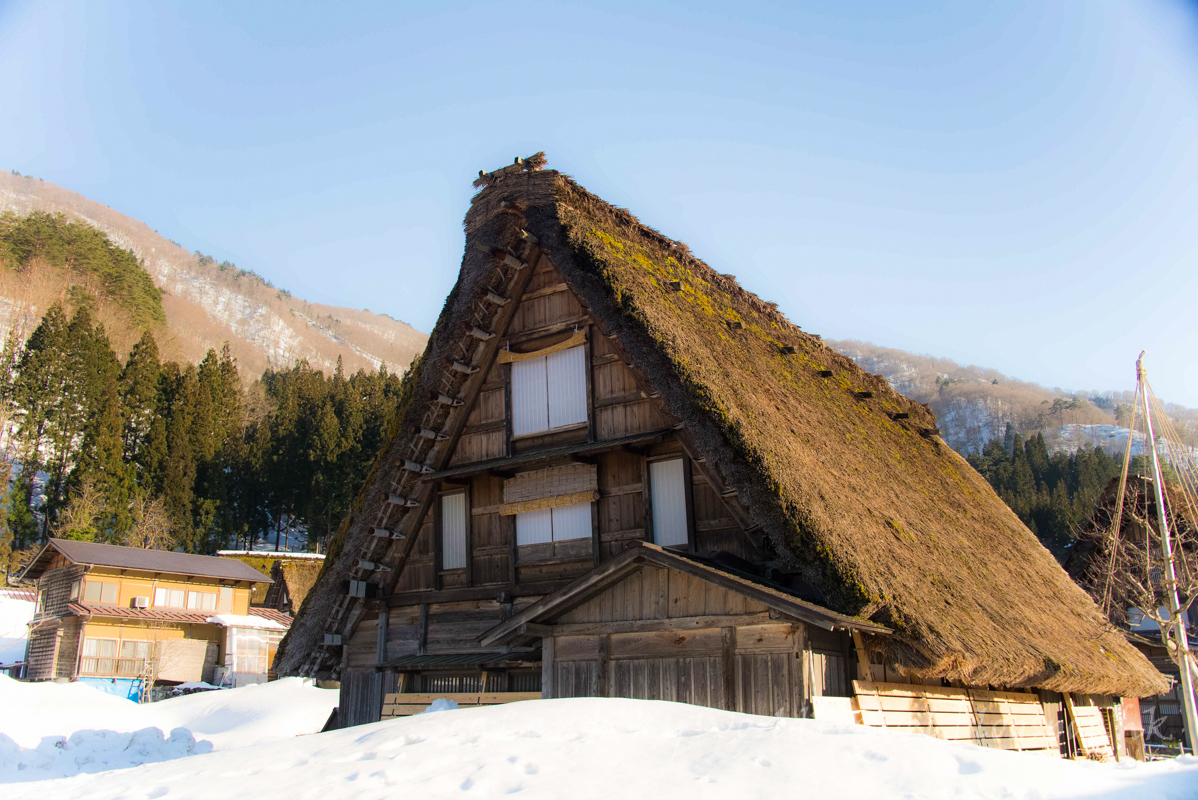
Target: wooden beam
381 644
655 625
627 397
548 330
417 596
422 641
864 672
548 290
602 667
485 427
547 668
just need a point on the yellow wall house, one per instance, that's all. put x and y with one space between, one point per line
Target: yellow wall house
126 619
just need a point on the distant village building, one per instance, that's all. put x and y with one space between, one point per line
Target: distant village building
617 473
123 618
292 577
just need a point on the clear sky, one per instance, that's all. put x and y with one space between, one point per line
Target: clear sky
1013 185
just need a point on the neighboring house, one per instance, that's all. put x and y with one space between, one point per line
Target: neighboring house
16 609
124 619
293 575
615 472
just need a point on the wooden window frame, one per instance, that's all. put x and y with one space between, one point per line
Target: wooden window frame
439 532
688 488
588 423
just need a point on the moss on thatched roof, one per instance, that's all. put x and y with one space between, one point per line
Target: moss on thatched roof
845 476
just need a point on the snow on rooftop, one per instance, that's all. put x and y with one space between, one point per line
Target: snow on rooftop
612 748
245 621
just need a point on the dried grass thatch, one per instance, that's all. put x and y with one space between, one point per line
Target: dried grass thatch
299 577
845 476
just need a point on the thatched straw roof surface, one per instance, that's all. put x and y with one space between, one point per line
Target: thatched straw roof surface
878 512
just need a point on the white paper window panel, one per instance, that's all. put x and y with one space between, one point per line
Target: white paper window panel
572 522
534 527
669 502
530 398
453 531
567 383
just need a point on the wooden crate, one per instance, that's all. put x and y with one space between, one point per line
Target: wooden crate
405 704
1002 720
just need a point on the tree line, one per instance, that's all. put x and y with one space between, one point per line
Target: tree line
177 456
1054 494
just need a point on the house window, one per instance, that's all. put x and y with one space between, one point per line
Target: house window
667 481
201 601
169 598
135 656
99 657
549 392
101 592
554 524
453 531
225 605
75 590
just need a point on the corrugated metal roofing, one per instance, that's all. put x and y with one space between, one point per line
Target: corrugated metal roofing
111 555
148 614
281 617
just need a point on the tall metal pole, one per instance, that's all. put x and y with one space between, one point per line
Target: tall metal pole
1180 636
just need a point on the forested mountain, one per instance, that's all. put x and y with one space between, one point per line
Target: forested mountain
195 457
974 405
203 303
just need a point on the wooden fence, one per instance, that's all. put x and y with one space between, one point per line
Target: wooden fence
1002 720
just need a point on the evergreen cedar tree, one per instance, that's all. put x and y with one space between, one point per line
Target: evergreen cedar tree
105 434
845 477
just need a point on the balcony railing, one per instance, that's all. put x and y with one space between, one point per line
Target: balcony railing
111 667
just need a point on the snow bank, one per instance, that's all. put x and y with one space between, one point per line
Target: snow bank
603 748
67 728
14 620
93 751
228 717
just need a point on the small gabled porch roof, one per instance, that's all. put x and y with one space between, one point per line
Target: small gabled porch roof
523 626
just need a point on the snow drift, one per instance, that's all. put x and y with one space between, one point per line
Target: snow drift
604 748
51 730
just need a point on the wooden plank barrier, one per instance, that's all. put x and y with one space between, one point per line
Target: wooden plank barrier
1090 727
405 704
1002 720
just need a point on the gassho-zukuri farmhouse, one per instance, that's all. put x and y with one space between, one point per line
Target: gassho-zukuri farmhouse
614 472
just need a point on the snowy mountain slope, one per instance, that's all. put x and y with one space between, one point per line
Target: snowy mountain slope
611 748
207 305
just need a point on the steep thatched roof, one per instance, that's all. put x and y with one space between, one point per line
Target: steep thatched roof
846 477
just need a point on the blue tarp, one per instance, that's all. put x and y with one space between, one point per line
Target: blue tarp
128 688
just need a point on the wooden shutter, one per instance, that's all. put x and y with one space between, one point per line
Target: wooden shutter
572 522
666 479
567 387
530 399
534 527
453 531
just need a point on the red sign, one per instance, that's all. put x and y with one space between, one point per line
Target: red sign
1131 714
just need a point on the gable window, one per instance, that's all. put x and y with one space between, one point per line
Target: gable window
557 524
667 482
549 392
100 592
453 531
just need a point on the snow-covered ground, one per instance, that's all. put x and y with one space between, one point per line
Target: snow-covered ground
15 615
49 730
605 748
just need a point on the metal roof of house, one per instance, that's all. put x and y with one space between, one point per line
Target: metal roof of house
111 555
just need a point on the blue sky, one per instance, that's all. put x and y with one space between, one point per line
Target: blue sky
1013 185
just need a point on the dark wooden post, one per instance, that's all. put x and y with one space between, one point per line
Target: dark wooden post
602 681
728 667
384 621
547 668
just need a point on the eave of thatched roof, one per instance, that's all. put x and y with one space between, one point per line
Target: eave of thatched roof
842 474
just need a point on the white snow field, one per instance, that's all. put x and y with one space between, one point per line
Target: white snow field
605 748
15 615
51 730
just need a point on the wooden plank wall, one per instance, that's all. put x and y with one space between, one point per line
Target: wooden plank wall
361 698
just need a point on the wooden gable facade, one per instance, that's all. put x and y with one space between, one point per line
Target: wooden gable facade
425 636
